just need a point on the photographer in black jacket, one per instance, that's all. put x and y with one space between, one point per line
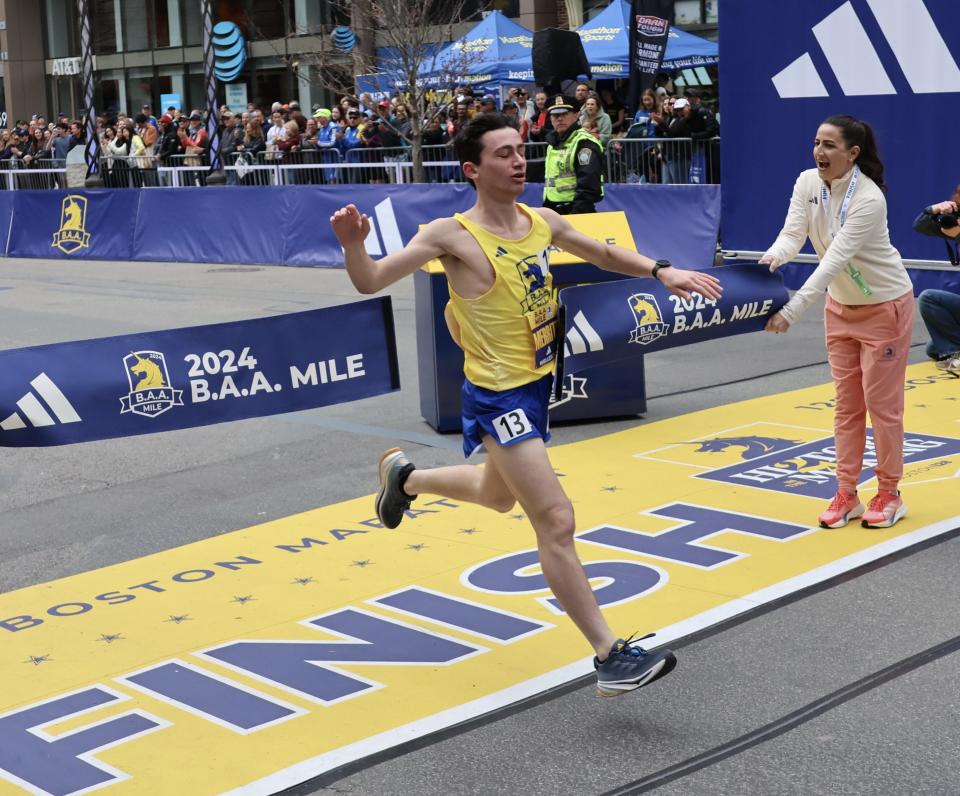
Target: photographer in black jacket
940 309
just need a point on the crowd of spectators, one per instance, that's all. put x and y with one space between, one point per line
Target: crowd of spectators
362 132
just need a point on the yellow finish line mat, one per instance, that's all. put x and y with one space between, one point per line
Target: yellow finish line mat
259 659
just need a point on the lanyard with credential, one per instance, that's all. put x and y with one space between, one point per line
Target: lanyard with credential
853 273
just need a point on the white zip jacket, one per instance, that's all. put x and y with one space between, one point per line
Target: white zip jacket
863 242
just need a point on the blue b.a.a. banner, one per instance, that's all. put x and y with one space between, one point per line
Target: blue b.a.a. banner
182 378
613 321
87 225
785 67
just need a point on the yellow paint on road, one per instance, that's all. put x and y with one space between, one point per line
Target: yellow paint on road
448 589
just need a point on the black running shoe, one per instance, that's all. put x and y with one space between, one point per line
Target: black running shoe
392 501
629 666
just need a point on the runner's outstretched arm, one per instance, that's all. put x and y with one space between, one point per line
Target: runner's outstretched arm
610 257
368 275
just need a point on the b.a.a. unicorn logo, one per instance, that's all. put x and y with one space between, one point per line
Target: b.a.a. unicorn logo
72 235
150 391
650 325
751 447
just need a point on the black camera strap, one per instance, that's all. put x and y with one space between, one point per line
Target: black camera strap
953 251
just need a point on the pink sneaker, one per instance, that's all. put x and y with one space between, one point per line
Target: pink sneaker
843 508
885 510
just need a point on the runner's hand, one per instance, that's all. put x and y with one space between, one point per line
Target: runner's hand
769 259
681 283
777 324
350 226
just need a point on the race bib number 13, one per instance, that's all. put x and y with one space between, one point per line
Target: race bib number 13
511 425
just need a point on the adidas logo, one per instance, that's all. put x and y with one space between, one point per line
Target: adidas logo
36 413
813 201
573 387
384 237
912 34
581 337
500 251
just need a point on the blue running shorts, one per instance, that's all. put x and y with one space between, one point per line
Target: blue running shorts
508 416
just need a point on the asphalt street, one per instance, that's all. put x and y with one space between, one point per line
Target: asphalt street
847 689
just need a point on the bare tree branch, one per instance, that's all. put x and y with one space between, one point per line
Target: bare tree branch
410 31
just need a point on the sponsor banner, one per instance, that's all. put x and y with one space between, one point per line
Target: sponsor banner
87 225
613 321
171 224
6 212
649 24
885 61
202 226
161 381
297 646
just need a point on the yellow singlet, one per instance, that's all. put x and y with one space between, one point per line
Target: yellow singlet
508 334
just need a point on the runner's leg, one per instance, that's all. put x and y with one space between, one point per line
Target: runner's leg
525 468
467 482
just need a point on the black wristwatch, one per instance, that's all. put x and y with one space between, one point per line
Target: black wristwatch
658 265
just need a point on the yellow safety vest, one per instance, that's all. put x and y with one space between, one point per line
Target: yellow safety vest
560 177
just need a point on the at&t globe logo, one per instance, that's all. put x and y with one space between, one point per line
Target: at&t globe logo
344 39
229 51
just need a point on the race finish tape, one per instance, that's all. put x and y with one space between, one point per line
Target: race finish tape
256 660
612 321
162 381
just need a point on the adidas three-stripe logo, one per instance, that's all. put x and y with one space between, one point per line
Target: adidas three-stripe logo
912 35
35 412
581 337
387 239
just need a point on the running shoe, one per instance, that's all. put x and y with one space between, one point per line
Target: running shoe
843 508
392 501
629 666
885 509
950 363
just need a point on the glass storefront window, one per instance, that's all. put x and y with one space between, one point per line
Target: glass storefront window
171 80
166 19
139 89
109 95
193 23
59 18
66 96
272 19
135 34
105 21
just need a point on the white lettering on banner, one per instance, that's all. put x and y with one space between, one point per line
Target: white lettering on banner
327 370
913 36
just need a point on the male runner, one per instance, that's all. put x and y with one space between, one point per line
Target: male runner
496 261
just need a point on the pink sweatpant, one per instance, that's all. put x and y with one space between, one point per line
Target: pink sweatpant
867 346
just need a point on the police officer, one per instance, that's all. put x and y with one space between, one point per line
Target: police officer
573 173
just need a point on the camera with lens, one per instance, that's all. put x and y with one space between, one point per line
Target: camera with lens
943 220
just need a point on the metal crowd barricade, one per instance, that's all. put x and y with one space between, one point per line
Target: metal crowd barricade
307 166
184 170
128 171
38 174
378 164
440 164
663 160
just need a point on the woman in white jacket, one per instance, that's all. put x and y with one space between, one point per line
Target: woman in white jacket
868 318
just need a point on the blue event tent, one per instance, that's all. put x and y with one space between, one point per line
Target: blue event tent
606 41
482 56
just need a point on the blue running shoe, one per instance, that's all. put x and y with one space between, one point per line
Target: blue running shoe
391 500
629 666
